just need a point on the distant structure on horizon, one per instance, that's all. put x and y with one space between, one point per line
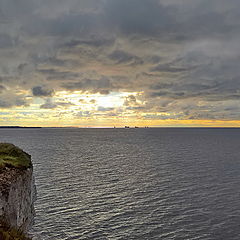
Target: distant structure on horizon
134 127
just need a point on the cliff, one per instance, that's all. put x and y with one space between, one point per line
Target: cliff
17 192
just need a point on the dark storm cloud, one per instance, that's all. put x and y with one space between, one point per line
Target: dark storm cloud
175 22
173 51
41 91
139 17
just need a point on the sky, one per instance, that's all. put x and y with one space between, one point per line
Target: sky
105 63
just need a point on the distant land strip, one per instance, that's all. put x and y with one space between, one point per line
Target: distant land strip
17 127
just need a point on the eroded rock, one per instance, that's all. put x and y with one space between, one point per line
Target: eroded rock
17 188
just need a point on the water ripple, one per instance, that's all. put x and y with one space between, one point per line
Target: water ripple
134 184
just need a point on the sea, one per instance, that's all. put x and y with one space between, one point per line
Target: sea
143 183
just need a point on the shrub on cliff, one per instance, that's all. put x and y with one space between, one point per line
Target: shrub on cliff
12 156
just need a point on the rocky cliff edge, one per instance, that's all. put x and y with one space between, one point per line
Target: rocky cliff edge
17 192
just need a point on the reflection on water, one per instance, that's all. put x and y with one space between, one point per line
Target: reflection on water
134 183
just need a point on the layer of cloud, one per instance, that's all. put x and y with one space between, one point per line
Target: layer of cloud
181 55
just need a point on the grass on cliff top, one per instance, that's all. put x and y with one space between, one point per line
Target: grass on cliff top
8 233
12 234
12 156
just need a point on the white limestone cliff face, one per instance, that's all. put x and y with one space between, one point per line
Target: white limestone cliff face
17 196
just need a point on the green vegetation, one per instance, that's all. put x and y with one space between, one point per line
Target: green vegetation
12 156
7 233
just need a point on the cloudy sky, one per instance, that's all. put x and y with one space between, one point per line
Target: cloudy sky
111 63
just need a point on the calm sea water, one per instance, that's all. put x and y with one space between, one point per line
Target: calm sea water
134 183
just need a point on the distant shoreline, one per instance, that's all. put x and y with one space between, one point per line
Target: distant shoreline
17 127
151 127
